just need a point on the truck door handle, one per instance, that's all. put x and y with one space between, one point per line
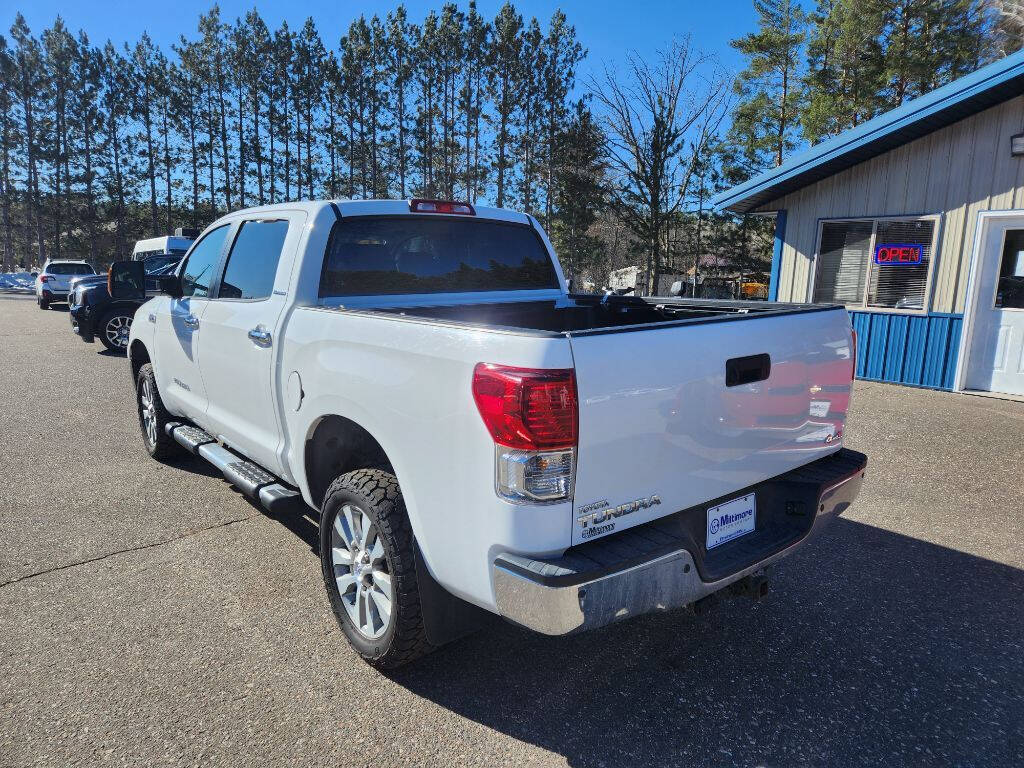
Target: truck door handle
191 321
747 370
261 336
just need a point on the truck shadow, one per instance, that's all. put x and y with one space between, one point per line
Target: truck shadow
874 648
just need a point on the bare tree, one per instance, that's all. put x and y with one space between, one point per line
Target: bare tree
659 120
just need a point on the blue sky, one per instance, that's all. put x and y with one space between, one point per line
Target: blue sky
607 29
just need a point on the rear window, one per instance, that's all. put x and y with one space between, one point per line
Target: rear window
378 255
70 269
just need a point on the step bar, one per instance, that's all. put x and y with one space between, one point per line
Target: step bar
251 479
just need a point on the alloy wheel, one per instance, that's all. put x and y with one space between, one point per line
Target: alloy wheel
117 330
361 571
147 410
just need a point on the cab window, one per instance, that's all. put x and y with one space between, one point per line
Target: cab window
252 263
197 276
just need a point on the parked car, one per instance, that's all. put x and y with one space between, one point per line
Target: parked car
53 282
94 313
167 245
477 439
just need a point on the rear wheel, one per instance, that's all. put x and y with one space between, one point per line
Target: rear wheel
44 303
367 556
153 417
114 329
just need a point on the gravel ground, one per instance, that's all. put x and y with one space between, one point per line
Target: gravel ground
150 615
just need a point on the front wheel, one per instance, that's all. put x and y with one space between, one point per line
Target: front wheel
367 556
153 417
114 329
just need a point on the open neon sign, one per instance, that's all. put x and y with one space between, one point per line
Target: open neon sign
898 254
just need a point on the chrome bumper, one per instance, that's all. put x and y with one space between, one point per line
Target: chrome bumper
663 583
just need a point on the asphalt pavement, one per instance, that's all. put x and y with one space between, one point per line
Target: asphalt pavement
150 615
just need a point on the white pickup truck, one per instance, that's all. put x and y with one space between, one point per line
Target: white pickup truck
475 437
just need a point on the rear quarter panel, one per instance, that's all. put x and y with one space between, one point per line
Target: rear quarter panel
409 384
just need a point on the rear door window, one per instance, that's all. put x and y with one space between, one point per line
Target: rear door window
252 264
379 255
197 276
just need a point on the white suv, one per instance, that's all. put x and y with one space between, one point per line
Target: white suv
54 282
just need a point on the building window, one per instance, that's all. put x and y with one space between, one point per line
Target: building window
880 263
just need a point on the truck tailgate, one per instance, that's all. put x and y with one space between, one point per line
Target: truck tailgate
661 429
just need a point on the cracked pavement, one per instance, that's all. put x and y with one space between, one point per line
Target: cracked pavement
150 615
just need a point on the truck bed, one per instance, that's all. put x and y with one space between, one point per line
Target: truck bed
586 314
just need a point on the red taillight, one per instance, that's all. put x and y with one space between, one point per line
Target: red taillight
44 278
527 408
853 355
441 206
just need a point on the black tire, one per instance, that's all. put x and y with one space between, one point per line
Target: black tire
159 444
114 315
377 495
44 303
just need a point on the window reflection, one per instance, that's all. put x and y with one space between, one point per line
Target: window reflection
1010 290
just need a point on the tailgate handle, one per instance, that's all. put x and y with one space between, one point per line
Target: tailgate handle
747 370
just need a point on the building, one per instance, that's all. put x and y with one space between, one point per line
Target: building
915 221
623 279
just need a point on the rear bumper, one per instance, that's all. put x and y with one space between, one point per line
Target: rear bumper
660 566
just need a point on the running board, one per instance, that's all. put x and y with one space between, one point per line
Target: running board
251 479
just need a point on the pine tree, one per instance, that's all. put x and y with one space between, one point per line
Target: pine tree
769 89
399 62
8 140
30 81
530 101
117 100
578 187
188 104
59 54
869 56
504 61
140 138
165 76
471 100
846 67
85 105
562 55
240 55
280 107
309 55
215 55
145 76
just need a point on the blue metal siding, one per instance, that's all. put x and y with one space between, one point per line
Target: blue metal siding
780 241
919 350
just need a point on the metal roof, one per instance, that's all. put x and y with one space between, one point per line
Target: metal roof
988 86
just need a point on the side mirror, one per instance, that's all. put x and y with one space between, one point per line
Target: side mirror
127 280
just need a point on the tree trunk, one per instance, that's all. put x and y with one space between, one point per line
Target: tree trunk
167 162
225 149
90 198
241 146
147 121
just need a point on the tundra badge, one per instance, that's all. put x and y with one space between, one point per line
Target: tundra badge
599 511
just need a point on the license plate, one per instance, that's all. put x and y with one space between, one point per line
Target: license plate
731 520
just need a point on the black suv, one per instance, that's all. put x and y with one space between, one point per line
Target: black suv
94 313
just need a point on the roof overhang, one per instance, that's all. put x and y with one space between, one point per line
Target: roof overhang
973 93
